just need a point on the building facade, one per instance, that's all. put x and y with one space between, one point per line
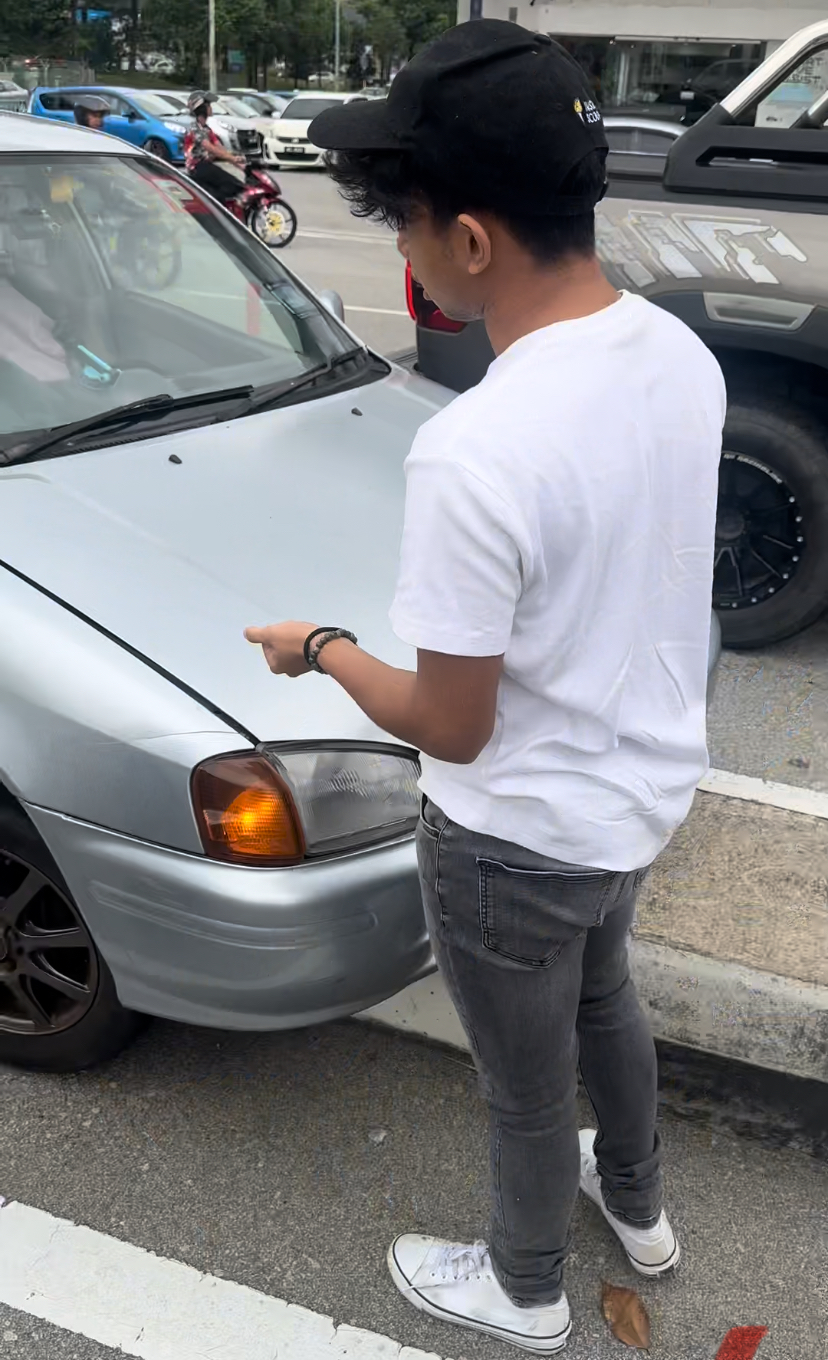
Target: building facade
674 58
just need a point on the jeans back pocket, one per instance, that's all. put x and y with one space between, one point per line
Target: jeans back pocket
529 915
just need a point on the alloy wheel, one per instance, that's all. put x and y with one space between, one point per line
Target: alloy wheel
48 963
760 538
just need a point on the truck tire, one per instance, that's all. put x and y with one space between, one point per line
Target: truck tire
771 563
58 1007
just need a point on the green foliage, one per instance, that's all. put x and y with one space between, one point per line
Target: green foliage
298 33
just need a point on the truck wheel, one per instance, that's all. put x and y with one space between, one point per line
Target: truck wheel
58 1008
771 563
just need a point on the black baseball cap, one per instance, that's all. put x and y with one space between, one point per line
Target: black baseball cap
486 99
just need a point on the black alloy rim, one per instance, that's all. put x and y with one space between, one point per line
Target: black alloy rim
760 538
48 963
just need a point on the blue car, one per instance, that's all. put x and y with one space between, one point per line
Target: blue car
137 116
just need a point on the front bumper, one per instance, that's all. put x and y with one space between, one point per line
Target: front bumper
238 948
285 155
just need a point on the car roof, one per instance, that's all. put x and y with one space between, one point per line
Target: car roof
126 91
20 132
321 94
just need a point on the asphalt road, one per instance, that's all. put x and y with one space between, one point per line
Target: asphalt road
288 1163
358 259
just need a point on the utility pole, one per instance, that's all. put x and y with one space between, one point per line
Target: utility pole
337 42
211 51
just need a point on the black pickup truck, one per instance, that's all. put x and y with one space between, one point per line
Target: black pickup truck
729 231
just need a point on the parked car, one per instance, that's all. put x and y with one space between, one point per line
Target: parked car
182 834
728 232
265 105
641 136
13 97
137 116
286 140
235 124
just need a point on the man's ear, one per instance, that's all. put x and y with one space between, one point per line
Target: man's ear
476 243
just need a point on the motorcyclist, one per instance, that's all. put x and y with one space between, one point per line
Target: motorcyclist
203 151
90 111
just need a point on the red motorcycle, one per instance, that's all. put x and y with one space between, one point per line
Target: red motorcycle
260 206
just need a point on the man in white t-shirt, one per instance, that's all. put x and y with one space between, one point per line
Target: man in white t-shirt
556 578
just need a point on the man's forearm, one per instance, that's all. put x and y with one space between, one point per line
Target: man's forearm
387 695
399 703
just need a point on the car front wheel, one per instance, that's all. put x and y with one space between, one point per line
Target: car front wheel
58 1007
771 561
158 148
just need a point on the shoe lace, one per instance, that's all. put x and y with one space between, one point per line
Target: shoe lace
462 1262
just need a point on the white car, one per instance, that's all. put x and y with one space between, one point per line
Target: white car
234 122
286 138
265 105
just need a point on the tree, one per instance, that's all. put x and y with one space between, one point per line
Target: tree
384 33
36 28
423 20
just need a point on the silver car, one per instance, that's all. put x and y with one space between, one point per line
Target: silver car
185 449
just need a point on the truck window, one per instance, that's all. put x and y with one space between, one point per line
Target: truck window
794 95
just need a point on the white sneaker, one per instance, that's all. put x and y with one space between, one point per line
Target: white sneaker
651 1251
457 1284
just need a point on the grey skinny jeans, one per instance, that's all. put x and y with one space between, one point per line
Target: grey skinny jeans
534 954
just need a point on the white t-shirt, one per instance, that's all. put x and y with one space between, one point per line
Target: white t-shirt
563 513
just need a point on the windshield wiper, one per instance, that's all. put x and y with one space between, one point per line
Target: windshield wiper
147 408
249 399
274 393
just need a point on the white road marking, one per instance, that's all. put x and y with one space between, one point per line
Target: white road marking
788 797
373 238
377 311
157 1309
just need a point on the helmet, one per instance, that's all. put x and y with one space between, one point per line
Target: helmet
90 103
198 99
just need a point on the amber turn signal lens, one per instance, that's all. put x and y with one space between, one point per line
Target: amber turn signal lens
245 812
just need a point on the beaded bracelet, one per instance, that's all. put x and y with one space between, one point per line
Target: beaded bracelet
318 639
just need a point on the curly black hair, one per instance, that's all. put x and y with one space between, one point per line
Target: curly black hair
389 186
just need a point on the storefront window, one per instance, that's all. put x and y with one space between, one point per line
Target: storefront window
677 81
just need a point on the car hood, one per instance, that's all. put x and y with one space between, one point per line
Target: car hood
293 513
291 127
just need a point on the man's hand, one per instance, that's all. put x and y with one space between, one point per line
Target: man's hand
283 646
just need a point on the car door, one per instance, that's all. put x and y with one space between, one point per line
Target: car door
124 120
59 105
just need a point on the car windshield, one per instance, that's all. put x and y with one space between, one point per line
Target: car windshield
174 100
309 108
259 103
120 281
156 105
237 107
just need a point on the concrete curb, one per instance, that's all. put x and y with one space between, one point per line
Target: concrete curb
699 1002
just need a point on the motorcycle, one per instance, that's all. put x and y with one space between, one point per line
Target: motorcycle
260 206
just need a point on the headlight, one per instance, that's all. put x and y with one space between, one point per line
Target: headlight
176 128
290 803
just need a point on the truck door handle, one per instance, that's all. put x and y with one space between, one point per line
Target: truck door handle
737 309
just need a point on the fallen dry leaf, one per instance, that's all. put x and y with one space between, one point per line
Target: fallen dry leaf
626 1315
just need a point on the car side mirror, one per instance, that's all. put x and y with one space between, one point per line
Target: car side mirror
333 303
134 116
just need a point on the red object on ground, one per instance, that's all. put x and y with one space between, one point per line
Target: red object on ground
741 1343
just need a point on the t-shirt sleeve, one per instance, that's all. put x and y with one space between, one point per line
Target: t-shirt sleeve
460 564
